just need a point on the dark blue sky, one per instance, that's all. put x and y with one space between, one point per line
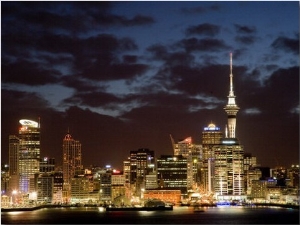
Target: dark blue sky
125 75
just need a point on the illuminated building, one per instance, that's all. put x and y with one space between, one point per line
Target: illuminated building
29 155
229 173
211 135
293 175
126 171
71 163
172 173
118 189
151 181
105 177
57 186
192 153
251 174
168 196
141 161
183 147
5 178
47 165
80 189
249 161
14 143
45 184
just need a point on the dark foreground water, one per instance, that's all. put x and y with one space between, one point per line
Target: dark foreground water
179 215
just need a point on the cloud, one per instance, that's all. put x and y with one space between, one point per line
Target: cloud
22 101
247 40
93 99
252 111
203 45
203 29
240 29
29 73
286 44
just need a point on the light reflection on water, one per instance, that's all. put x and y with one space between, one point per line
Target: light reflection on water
179 215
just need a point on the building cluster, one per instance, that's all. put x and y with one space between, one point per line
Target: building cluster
218 169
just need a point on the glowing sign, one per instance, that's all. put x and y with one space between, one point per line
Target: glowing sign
29 123
211 128
228 142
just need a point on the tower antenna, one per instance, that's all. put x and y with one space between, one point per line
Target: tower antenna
231 77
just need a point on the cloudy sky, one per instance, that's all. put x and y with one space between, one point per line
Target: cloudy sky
125 75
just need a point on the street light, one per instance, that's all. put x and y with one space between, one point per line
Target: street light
14 192
33 197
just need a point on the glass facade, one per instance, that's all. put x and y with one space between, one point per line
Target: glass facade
29 155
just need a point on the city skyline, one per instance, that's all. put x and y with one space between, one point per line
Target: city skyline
121 76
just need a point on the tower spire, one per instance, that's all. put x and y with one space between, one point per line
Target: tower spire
231 77
231 108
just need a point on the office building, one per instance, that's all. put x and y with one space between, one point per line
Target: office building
72 164
29 155
193 154
14 145
45 186
47 164
211 136
172 173
141 163
229 173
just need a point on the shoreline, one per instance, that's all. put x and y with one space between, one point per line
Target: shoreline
132 208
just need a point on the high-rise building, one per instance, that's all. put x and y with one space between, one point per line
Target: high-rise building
14 144
141 162
229 173
72 164
211 136
172 173
47 164
192 152
29 155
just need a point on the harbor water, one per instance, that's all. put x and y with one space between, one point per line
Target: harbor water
179 215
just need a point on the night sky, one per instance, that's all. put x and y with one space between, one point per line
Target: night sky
125 75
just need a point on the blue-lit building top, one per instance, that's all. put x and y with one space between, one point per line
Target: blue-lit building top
211 127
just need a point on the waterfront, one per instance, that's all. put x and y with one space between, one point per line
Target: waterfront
180 215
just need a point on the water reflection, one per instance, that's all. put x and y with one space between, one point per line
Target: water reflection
179 215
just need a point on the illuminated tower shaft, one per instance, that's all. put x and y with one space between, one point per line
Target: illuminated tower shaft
231 108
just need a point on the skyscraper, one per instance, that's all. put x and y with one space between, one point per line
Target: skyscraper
140 163
172 173
29 155
14 145
72 164
211 136
192 153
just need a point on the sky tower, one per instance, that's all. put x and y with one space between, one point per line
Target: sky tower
231 108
